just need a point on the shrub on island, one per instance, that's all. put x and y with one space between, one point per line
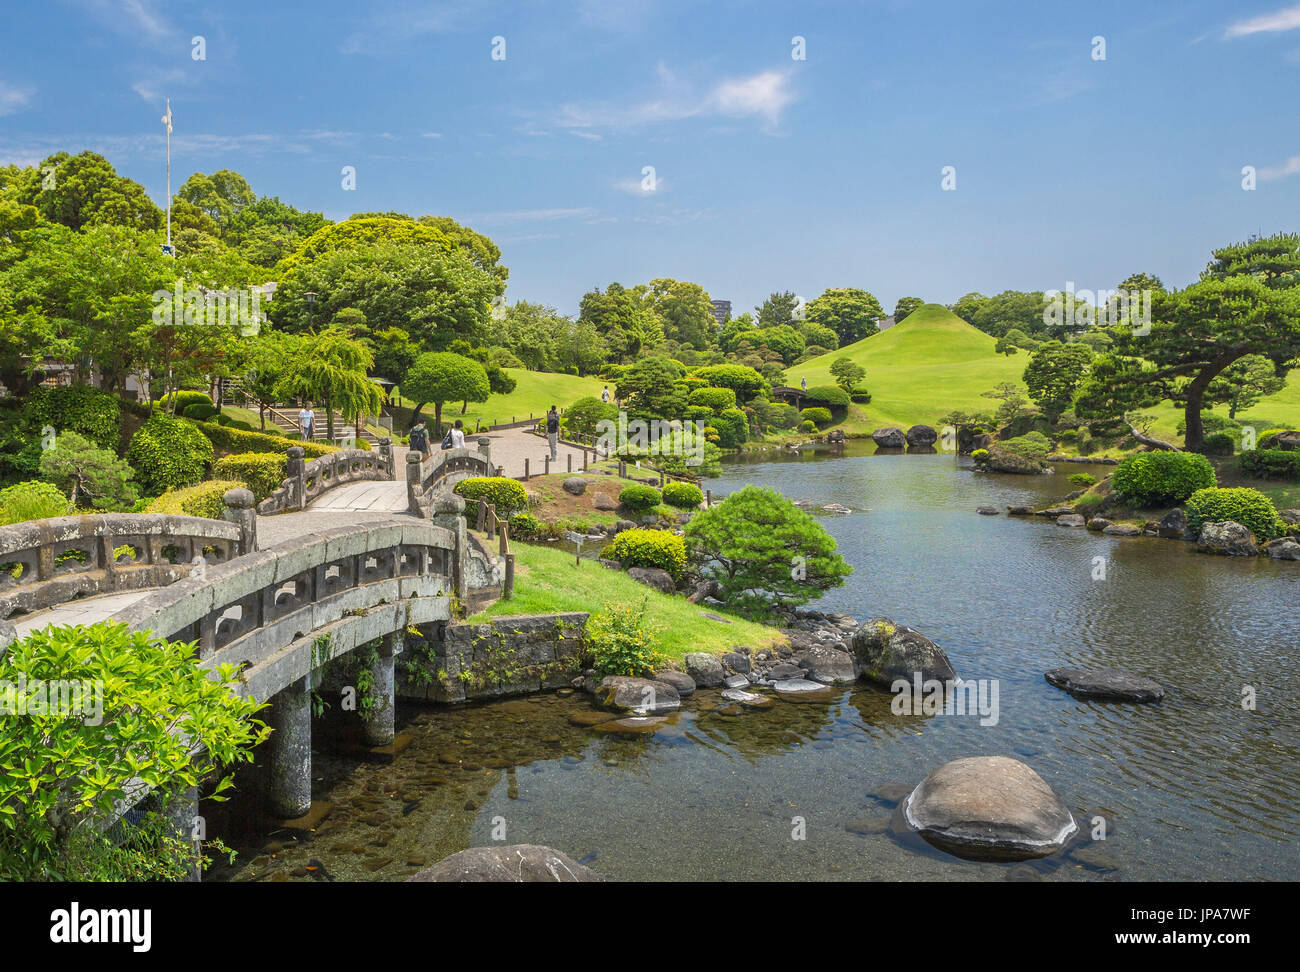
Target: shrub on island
1161 478
1249 507
649 548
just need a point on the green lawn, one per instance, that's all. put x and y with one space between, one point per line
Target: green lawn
934 362
919 370
535 392
547 580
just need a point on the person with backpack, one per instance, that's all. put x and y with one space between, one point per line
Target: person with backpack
419 438
457 434
604 395
553 432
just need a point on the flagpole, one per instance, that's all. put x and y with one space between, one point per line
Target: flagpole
169 175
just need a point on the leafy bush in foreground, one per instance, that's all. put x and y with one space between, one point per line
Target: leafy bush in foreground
684 496
1249 507
649 548
1161 478
623 642
169 453
640 497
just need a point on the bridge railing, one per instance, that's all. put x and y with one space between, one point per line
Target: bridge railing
307 480
264 610
47 562
445 467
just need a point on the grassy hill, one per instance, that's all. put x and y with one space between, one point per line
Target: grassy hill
535 392
919 370
934 362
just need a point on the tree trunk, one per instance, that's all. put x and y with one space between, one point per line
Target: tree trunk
437 420
329 417
261 415
1150 442
1194 440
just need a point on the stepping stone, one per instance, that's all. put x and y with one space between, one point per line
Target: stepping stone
750 699
1106 684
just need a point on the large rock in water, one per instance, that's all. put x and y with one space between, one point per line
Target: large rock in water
827 665
1227 538
660 580
989 808
684 684
1173 525
644 696
1283 548
890 438
921 435
514 864
1105 683
704 668
885 651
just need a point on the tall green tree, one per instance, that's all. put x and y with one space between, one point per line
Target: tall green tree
85 190
1052 375
685 310
905 306
441 377
1244 384
850 312
779 308
333 368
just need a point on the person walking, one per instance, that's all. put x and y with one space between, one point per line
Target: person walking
553 432
306 419
604 395
458 435
419 439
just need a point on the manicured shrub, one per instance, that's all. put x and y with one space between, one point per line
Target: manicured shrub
640 497
1083 480
979 455
742 379
715 399
784 416
169 453
506 494
202 411
240 424
586 414
860 397
649 548
829 396
201 500
32 500
184 398
1249 507
622 642
807 426
733 428
1031 445
684 496
262 472
697 413
1161 478
820 417
83 409
1271 464
230 439
525 526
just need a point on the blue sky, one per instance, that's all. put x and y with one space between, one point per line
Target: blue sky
771 173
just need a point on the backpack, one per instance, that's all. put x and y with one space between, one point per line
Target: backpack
447 440
552 423
418 438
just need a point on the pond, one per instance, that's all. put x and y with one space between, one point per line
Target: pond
1196 787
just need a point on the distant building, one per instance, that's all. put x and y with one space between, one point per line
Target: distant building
885 323
721 311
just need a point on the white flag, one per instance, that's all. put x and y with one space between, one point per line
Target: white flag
167 118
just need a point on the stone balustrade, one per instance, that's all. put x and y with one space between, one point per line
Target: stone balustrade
444 468
304 481
48 562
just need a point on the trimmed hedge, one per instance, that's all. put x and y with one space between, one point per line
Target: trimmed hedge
169 453
819 416
684 496
1249 507
807 426
507 495
640 497
712 398
33 500
262 472
1271 464
232 440
742 379
525 526
184 399
83 409
649 548
1083 480
1161 478
201 411
1219 444
733 428
201 500
860 397
832 396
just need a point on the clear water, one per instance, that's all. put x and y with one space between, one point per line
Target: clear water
1197 787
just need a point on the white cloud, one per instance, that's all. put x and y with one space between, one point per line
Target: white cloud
764 96
1288 18
532 215
1288 168
13 98
636 187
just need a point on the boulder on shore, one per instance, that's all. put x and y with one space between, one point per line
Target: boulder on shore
1173 525
885 651
921 435
1070 520
890 438
1283 548
1122 530
989 808
704 668
602 502
660 580
574 486
827 665
1227 538
1098 523
684 684
643 696
1106 684
515 864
